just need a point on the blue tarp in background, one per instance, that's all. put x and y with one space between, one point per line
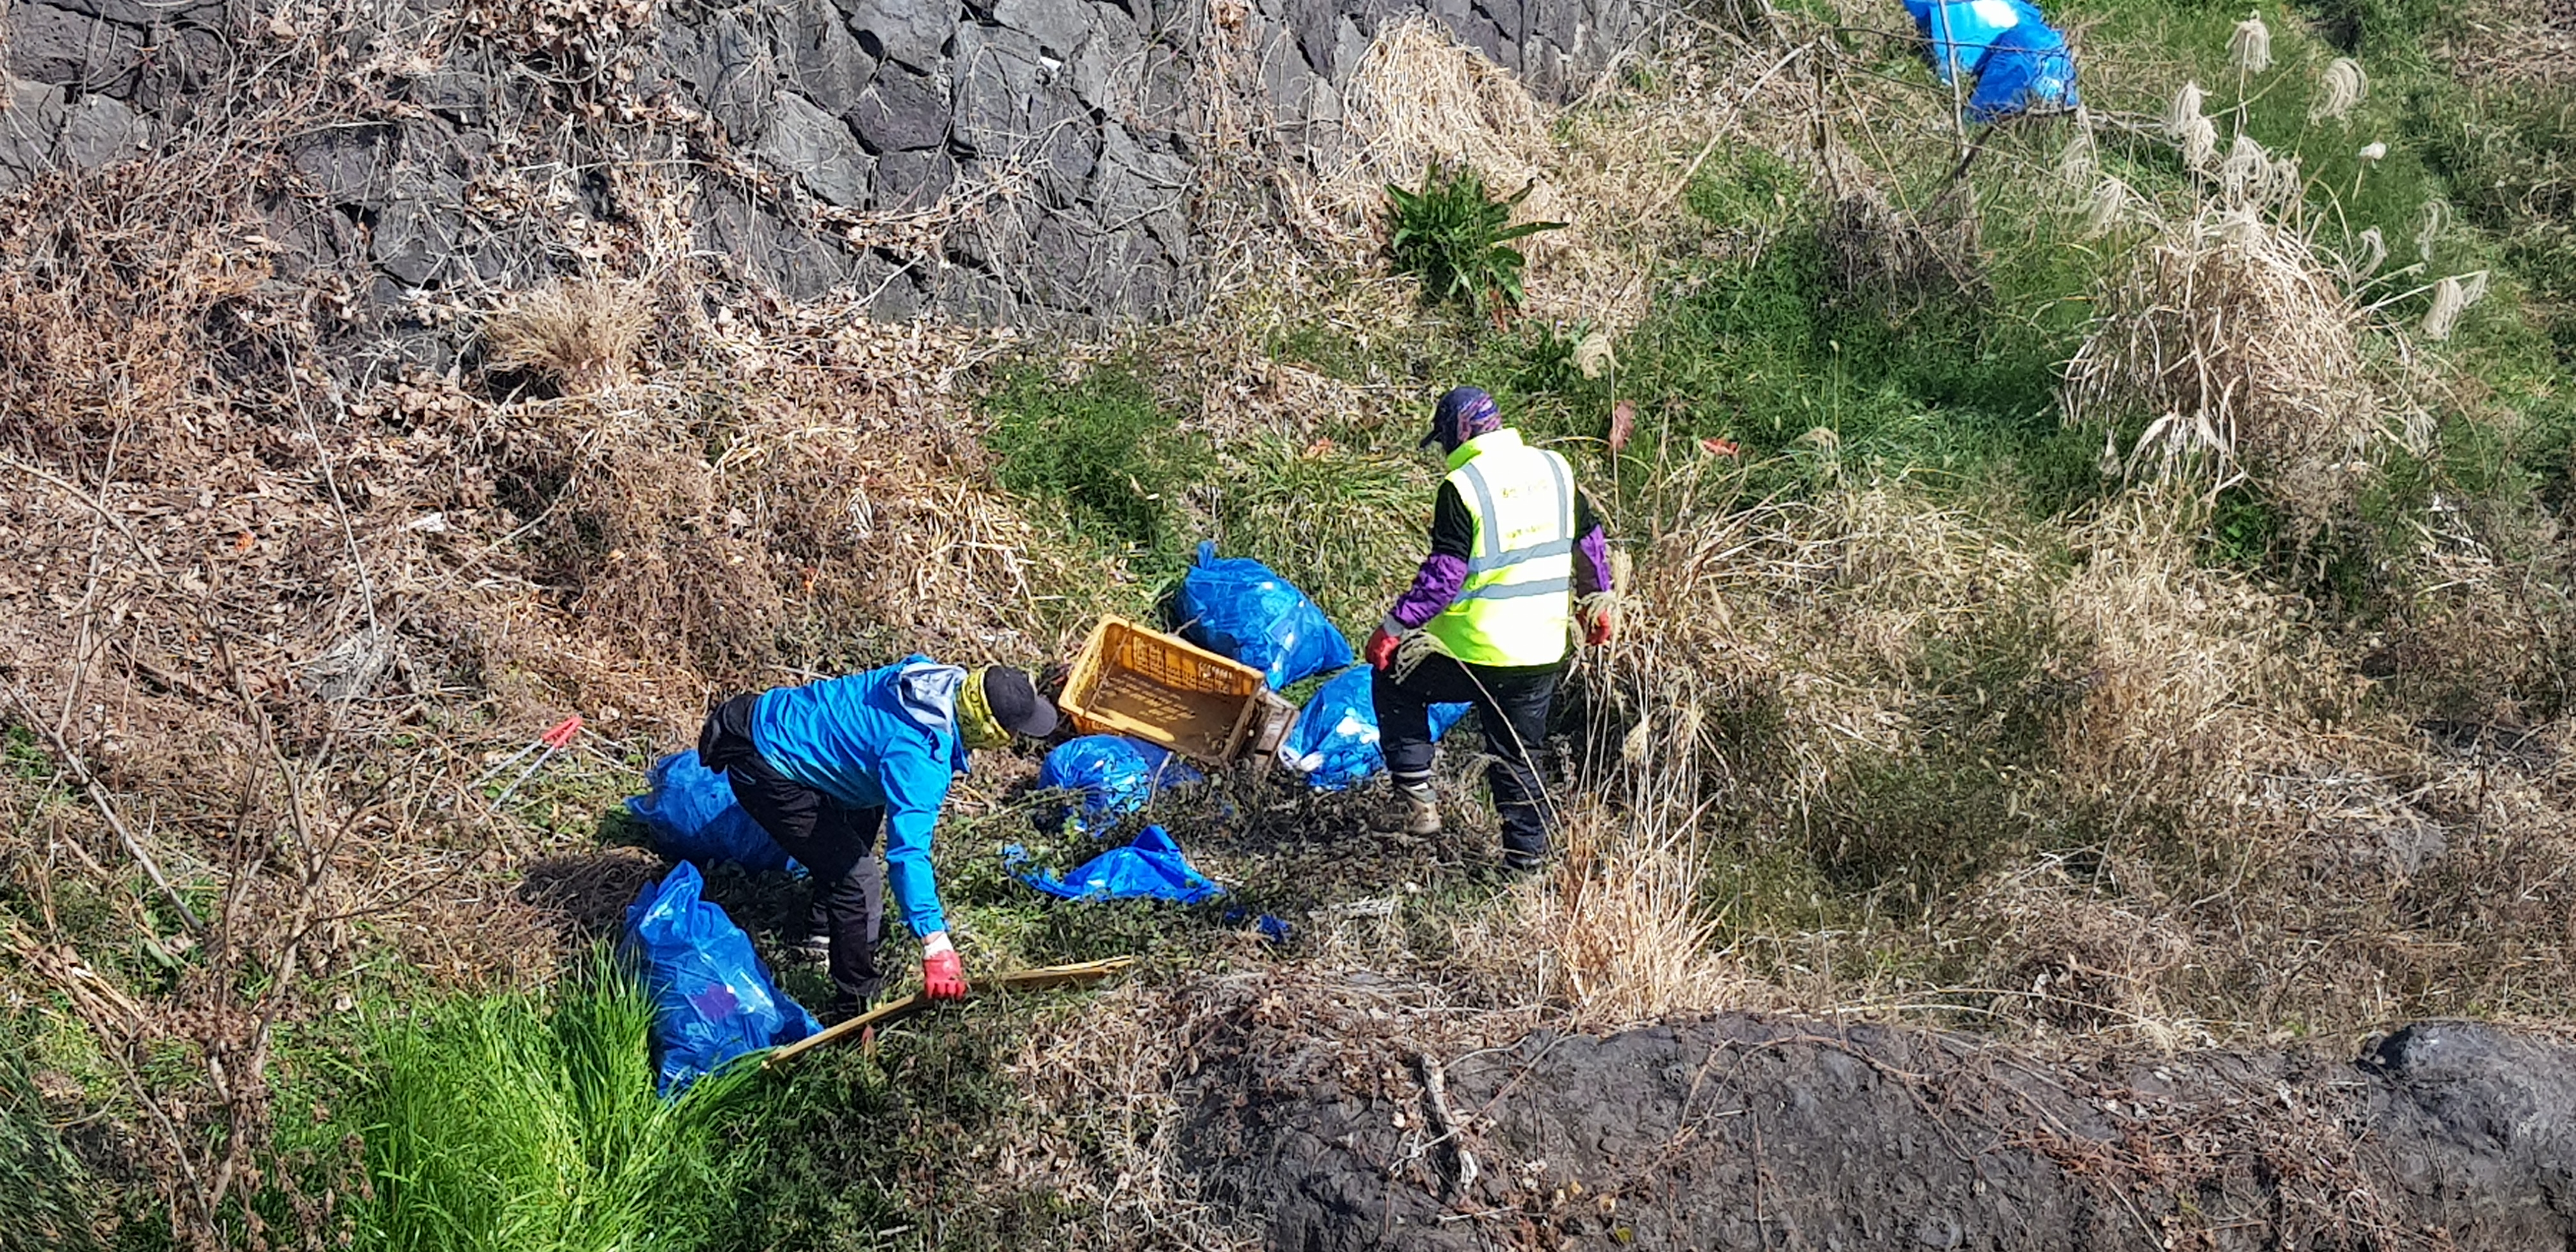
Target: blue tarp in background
2018 60
693 816
1152 868
1240 608
1115 774
2028 69
712 998
1335 741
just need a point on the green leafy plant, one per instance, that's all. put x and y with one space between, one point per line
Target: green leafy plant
1456 237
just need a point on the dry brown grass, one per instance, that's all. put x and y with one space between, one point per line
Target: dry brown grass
2239 344
2190 675
270 622
580 336
1819 607
1614 933
1613 168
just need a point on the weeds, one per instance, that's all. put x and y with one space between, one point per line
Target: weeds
1105 450
44 1199
1456 238
1914 714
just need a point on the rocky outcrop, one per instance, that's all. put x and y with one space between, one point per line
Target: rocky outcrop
1059 141
1739 1132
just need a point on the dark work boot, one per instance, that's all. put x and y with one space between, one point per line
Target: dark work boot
1524 837
1411 808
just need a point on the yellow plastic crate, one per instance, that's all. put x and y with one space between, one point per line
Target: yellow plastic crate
1148 685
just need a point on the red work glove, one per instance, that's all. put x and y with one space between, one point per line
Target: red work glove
943 976
1380 650
1597 631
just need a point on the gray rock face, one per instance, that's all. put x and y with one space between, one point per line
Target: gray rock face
415 240
98 130
996 74
1107 72
29 130
1073 128
901 111
350 166
75 50
911 31
815 147
1059 26
142 13
745 86
818 57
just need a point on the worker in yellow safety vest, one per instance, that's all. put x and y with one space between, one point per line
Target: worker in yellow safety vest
1487 620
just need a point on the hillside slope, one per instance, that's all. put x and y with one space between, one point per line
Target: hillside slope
2099 599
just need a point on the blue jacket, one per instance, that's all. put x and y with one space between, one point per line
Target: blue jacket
883 739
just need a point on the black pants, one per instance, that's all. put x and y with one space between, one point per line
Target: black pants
1511 708
836 843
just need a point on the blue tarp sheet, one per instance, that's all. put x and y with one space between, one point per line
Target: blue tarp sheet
1152 868
1115 774
1240 608
1335 741
2029 69
693 816
2020 62
712 998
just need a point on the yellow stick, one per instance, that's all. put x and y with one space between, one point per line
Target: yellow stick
1053 976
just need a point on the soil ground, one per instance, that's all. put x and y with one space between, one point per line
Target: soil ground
1747 1132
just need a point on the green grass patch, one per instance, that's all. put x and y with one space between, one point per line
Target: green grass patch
884 1151
46 1200
526 1122
1103 449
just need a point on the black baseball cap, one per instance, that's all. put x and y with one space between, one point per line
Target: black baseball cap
1015 702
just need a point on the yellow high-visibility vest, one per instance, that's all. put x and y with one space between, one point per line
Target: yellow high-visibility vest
1514 607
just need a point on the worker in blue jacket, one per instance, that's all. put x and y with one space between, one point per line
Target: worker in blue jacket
821 767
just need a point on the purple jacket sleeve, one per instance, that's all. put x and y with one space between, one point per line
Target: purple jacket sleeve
1434 586
1591 552
1444 572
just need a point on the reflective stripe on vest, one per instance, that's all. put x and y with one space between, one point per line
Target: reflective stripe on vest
1514 606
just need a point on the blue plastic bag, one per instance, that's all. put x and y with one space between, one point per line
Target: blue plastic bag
2019 61
1962 32
1238 607
694 817
712 998
1152 868
2029 69
1115 774
1335 741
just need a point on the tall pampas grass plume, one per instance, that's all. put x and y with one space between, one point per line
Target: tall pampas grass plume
2108 208
2430 225
2184 110
2191 129
2250 48
2342 89
2246 175
2451 298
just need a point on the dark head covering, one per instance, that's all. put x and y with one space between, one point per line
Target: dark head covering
1463 414
1016 704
